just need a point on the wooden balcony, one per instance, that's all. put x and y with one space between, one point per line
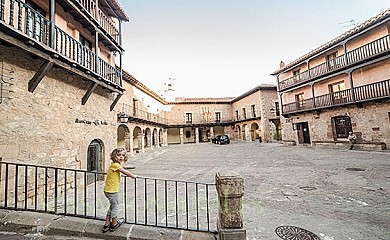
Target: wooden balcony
369 92
21 20
93 11
127 113
357 56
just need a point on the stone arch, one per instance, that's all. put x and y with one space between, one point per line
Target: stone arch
137 138
148 137
238 132
123 137
154 137
255 131
95 159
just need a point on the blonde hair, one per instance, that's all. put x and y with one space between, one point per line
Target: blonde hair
115 152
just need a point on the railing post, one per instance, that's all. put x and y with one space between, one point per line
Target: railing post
230 189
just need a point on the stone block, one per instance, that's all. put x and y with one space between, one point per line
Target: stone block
229 184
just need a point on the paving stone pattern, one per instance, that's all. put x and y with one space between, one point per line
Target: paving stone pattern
305 187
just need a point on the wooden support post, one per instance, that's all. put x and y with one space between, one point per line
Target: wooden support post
115 101
89 93
33 83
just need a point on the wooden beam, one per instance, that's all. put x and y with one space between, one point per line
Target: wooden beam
89 93
115 101
33 83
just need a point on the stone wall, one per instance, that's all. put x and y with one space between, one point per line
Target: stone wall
370 122
50 126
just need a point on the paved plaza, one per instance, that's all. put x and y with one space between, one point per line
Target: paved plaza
337 194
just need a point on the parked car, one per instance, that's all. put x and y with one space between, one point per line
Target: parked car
221 139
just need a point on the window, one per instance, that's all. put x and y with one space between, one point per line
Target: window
36 26
337 90
296 74
135 106
84 41
218 117
277 110
331 59
237 116
253 109
244 113
300 99
342 126
188 117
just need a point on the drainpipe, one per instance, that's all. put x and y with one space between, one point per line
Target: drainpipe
52 23
120 52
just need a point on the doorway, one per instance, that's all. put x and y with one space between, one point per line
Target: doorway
94 161
303 132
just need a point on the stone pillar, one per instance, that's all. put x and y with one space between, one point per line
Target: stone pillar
143 142
131 145
165 137
181 135
211 133
158 139
196 135
230 188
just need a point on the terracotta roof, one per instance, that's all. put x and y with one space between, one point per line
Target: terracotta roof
119 11
261 87
378 18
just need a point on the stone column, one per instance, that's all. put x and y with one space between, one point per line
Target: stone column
143 142
196 135
211 133
181 135
158 139
131 141
230 188
165 137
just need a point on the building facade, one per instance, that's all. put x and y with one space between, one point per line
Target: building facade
341 86
60 82
253 115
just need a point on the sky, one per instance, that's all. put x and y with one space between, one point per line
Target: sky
224 48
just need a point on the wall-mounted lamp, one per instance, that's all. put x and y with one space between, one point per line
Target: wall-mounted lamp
123 118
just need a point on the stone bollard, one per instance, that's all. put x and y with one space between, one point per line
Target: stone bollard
230 188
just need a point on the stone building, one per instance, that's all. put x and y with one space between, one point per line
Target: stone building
341 86
60 82
251 116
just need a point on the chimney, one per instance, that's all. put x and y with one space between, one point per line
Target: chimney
282 64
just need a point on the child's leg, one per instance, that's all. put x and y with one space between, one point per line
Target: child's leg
113 209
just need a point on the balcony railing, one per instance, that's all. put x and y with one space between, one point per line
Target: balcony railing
369 50
363 93
25 20
105 22
126 111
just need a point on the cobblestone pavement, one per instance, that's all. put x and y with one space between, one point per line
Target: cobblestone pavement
336 194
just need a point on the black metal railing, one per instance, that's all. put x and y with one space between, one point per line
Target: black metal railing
146 201
362 93
369 50
25 20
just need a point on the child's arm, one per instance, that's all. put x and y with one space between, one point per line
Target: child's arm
127 173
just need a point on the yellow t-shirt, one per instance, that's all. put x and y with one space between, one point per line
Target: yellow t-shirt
113 178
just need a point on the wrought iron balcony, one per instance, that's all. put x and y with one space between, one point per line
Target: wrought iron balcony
370 50
24 20
374 91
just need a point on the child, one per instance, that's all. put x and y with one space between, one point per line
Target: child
111 188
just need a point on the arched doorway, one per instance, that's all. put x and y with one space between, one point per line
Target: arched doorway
94 161
123 137
238 132
137 138
255 131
